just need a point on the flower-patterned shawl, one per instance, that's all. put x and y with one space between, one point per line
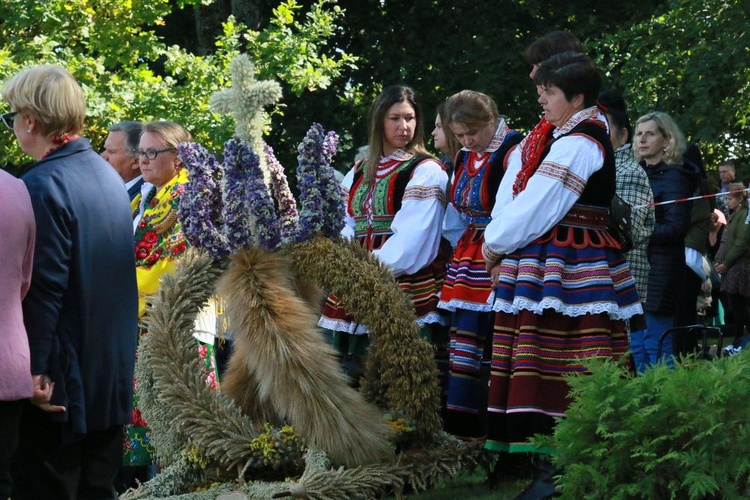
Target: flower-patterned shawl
158 238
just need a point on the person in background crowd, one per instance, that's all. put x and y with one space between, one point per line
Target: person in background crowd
734 262
444 140
159 242
632 186
727 174
396 203
659 147
81 308
696 238
563 287
555 42
17 248
120 152
486 138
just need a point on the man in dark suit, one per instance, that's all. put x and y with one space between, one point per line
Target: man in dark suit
120 151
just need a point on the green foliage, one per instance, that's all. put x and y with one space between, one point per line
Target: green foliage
128 71
677 432
690 60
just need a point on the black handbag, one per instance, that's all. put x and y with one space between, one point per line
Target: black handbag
619 223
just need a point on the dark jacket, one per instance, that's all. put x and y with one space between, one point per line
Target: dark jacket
666 250
81 310
737 245
135 189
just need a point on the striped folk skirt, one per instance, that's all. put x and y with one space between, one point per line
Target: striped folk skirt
561 300
470 349
531 354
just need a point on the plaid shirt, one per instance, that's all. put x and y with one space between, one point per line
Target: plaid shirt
633 187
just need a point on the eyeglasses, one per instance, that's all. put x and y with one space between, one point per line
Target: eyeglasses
7 118
151 154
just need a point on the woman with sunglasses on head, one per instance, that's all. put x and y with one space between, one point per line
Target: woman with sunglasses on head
159 242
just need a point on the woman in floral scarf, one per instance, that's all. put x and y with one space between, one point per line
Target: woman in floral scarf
158 243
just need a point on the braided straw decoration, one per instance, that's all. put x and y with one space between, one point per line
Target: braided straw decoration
182 410
401 371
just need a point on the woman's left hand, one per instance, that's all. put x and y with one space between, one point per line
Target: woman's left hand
495 273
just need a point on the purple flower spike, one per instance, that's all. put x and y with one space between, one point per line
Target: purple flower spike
246 198
320 194
199 210
288 215
331 189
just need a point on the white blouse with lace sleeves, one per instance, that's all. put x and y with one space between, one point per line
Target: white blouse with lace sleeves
550 193
417 226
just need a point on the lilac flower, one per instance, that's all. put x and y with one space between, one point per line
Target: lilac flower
288 215
320 194
331 189
309 154
199 208
246 198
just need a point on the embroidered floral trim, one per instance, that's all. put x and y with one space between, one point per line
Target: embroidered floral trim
423 193
592 113
159 232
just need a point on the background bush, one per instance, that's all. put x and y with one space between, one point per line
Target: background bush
677 432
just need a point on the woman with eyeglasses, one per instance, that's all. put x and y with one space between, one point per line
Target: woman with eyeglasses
159 242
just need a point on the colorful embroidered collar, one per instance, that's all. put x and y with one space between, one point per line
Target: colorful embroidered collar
159 232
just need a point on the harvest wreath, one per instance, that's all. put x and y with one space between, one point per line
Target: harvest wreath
285 422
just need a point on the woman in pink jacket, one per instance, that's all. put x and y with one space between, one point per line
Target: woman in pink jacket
16 252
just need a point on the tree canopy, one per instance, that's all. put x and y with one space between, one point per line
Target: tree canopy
129 71
154 59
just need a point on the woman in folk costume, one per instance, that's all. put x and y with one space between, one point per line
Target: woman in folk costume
396 203
563 286
474 119
158 242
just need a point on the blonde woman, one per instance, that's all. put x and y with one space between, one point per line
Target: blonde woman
80 310
486 139
659 147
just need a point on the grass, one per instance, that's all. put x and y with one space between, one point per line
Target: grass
471 486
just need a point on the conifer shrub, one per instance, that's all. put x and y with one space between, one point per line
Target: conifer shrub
673 432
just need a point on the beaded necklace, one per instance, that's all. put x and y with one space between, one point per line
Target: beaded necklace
60 141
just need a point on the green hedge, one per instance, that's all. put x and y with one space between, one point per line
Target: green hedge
677 432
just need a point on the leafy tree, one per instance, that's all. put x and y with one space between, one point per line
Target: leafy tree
129 72
439 48
689 60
